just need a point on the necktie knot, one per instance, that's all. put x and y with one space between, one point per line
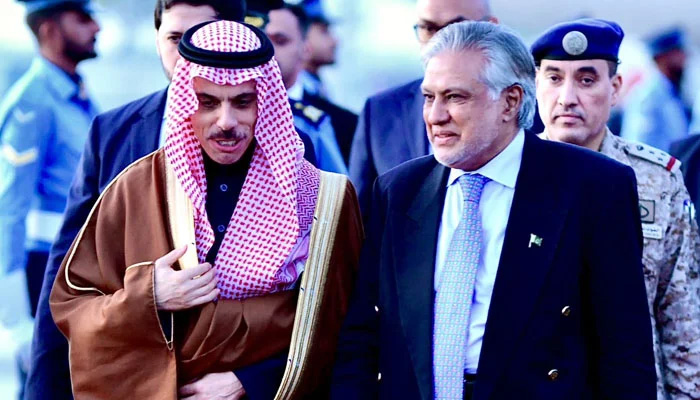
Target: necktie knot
472 185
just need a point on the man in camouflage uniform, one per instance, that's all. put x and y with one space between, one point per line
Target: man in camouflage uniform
577 84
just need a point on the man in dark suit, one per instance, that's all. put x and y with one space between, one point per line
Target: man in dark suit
500 267
116 139
390 128
688 152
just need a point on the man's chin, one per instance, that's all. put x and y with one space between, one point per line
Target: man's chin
568 135
78 56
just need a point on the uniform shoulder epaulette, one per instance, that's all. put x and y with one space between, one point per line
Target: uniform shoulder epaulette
654 155
310 113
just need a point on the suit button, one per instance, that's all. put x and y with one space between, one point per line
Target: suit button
553 375
566 311
376 308
379 377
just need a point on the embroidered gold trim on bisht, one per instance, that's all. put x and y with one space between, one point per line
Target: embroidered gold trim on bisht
331 194
180 218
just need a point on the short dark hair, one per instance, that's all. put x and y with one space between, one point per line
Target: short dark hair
35 19
231 10
301 16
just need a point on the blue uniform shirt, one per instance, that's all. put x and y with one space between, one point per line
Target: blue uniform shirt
44 122
317 125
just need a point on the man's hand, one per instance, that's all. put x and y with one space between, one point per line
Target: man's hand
223 385
180 290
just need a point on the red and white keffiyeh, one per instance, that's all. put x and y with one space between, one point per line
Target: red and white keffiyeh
276 204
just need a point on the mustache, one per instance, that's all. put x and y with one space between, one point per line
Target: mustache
230 134
568 113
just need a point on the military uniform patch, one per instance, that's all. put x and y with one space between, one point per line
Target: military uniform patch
310 114
18 159
651 231
647 210
654 155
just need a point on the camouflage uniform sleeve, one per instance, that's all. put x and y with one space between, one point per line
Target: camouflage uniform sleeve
678 298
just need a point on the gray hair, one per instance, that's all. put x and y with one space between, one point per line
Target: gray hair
508 61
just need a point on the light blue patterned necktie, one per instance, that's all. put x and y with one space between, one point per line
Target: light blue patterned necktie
453 300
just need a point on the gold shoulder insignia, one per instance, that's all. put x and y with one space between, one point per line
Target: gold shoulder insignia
19 159
256 21
654 155
313 113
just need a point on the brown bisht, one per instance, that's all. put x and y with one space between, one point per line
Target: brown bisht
103 299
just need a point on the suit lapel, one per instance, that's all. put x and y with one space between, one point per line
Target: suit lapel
144 134
413 125
536 219
414 255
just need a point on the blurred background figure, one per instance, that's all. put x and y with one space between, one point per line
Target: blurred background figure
287 29
44 120
655 113
322 47
322 44
391 128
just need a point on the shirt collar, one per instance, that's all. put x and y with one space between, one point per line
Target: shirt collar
614 148
167 103
58 79
296 92
503 168
310 82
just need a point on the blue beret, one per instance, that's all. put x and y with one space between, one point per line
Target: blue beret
41 5
665 41
582 39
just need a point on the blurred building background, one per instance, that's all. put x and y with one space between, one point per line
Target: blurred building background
377 50
377 47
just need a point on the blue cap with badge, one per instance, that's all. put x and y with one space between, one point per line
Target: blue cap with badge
663 42
582 39
34 6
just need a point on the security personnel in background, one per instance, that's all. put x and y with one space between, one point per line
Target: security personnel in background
44 121
322 47
577 84
655 113
287 29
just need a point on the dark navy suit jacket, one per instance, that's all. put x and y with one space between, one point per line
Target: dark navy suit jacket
589 260
117 138
390 131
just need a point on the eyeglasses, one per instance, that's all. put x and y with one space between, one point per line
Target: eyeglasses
426 30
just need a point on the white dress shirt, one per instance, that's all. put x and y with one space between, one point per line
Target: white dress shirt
494 209
162 137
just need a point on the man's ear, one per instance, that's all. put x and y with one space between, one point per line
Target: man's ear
306 51
47 31
512 97
617 87
157 47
